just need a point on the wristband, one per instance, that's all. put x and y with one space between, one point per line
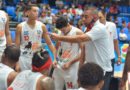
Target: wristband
122 84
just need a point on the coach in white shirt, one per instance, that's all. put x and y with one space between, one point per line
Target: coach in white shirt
96 43
113 42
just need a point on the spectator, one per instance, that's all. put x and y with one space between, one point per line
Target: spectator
90 77
79 10
122 36
124 24
59 3
17 13
72 9
48 18
42 17
59 13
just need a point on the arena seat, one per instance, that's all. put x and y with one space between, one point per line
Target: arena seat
54 11
10 10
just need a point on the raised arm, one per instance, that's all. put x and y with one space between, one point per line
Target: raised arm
7 32
18 35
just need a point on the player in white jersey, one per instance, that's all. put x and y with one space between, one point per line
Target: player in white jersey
96 43
113 42
5 36
90 77
29 35
37 78
68 56
10 57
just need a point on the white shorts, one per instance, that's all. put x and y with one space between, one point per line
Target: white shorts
25 63
66 77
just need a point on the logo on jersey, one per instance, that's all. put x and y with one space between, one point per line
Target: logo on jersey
38 33
26 35
29 45
2 33
4 20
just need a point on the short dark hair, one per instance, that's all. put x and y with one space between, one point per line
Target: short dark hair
61 22
29 7
90 74
40 58
103 11
12 53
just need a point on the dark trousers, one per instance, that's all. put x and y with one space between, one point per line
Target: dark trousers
112 63
107 79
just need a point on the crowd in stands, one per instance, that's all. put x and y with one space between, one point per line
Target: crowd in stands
73 11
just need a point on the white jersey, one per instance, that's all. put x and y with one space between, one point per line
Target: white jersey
3 20
4 73
97 50
67 51
26 80
111 28
30 38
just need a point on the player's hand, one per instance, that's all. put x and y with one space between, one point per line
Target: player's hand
118 61
54 36
66 66
54 64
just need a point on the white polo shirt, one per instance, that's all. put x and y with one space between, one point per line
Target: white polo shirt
111 28
97 50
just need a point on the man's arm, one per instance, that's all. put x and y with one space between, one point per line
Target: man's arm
48 41
116 47
18 35
11 77
55 61
126 67
7 32
47 83
72 39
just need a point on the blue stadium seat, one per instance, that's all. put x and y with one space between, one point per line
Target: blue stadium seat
128 8
124 9
45 1
12 32
120 9
10 10
67 3
126 19
54 11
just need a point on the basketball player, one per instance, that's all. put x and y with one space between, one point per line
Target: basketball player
111 28
29 35
5 36
68 54
96 43
90 77
10 57
35 79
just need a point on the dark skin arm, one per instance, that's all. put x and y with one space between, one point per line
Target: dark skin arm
7 32
72 39
11 77
126 67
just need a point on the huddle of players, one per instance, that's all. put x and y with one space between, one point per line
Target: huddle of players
36 63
